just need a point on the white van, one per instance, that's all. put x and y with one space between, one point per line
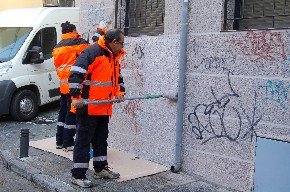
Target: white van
27 74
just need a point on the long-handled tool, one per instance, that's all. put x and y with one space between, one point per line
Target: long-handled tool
149 96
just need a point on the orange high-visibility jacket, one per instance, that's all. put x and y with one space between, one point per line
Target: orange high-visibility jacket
96 76
65 54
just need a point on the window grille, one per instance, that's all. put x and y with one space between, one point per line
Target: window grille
256 14
58 3
140 17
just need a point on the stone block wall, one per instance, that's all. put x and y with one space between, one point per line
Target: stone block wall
237 88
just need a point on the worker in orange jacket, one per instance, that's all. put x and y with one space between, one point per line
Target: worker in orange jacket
65 54
95 76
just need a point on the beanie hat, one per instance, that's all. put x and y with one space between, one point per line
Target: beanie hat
67 27
102 27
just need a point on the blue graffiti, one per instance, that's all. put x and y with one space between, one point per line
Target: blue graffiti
276 91
95 15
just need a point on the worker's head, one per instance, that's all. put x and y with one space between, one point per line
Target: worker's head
67 27
115 39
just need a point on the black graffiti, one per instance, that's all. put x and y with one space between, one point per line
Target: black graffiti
218 109
252 121
215 62
138 50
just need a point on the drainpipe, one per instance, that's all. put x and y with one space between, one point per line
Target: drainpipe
181 87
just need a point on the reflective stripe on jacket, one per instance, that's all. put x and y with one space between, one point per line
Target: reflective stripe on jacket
96 76
65 54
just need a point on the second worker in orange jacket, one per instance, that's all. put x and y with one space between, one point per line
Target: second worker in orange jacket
65 54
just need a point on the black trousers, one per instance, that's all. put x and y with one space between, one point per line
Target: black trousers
90 130
66 125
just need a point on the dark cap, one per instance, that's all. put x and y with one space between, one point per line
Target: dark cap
67 27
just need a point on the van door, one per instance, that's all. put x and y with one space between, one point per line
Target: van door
44 74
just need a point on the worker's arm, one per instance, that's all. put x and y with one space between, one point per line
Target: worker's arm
79 70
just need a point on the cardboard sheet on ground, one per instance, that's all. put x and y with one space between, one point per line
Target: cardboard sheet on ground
127 165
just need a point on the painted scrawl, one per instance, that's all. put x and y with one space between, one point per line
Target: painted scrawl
277 91
204 114
262 46
96 12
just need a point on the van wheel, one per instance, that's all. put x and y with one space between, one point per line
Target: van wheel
24 105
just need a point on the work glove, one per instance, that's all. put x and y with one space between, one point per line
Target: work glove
120 98
77 103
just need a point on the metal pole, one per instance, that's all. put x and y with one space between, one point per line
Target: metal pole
150 96
127 19
181 87
24 143
116 13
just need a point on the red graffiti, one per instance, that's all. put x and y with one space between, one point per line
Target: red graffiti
136 70
131 63
131 108
263 45
139 77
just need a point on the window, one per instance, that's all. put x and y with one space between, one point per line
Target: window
140 17
58 3
66 3
272 171
46 39
256 14
11 40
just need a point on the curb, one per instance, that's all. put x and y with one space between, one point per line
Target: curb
32 174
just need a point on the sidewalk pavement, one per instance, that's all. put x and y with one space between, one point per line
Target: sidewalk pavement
52 173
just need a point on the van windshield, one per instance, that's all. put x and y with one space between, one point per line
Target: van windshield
11 40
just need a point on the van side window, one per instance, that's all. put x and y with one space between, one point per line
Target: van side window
46 38
49 41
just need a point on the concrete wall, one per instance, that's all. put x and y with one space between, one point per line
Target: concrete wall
12 4
237 87
145 128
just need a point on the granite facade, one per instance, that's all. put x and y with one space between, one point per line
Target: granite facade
237 88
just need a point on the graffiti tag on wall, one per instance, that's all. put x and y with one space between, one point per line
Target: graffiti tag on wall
262 46
204 114
276 91
215 62
95 14
138 51
132 108
133 63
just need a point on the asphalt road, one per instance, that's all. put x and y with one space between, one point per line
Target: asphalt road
9 138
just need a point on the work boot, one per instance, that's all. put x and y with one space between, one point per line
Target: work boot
85 183
106 173
67 149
